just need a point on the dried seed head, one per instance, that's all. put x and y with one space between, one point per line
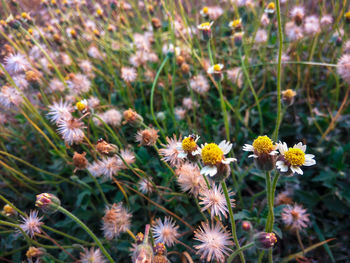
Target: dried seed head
79 160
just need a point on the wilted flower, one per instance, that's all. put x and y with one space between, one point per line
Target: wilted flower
297 14
147 137
291 159
190 179
31 225
214 200
199 84
71 130
91 256
79 160
215 242
165 232
129 74
295 217
115 221
145 186
47 202
288 96
343 67
34 252
59 111
15 63
312 25
9 210
170 152
132 117
265 240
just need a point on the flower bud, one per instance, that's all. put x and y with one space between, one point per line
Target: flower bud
143 252
133 118
9 211
104 147
47 202
265 240
34 252
156 23
238 38
288 96
79 160
139 238
246 226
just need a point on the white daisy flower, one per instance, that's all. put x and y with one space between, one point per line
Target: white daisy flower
188 146
215 69
213 157
292 158
205 26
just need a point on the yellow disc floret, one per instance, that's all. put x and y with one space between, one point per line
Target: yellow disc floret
205 26
271 6
347 15
205 10
217 67
80 106
236 23
212 154
263 144
295 156
189 144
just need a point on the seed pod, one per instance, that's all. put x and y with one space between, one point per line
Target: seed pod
47 202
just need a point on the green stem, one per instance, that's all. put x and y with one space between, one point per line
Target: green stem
152 94
268 196
234 254
279 70
233 224
92 235
272 199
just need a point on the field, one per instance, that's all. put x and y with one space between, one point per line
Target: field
160 131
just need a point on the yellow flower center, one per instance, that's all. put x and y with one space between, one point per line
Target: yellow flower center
217 67
347 15
263 144
271 6
236 23
289 93
205 10
189 145
205 25
8 209
212 154
99 12
295 156
80 106
24 15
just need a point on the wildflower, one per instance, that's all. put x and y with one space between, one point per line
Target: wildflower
31 225
16 63
199 84
295 217
264 20
288 96
145 186
312 25
104 147
238 38
79 160
347 17
170 152
188 148
283 199
326 21
143 253
115 221
188 103
95 169
270 9
82 105
10 97
205 11
34 252
297 14
265 240
343 67
236 24
180 113
165 232
205 28
112 117
132 117
215 242
216 70
291 159
236 76
86 66
91 256
156 23
293 31
215 12
33 76
93 102
129 74
9 210
128 157
190 179
48 203
264 152
215 163
79 83
110 166
214 199
147 137
261 36
21 81
71 130
56 85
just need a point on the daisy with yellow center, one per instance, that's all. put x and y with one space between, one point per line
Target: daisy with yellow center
81 105
261 145
213 156
271 8
188 146
205 26
347 15
292 158
215 69
205 11
237 23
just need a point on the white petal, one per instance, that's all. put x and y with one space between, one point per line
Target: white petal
282 147
209 170
282 166
196 152
296 169
248 148
182 155
225 146
228 160
309 160
273 153
252 155
300 146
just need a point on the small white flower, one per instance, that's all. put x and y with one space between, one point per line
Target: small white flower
188 146
217 68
